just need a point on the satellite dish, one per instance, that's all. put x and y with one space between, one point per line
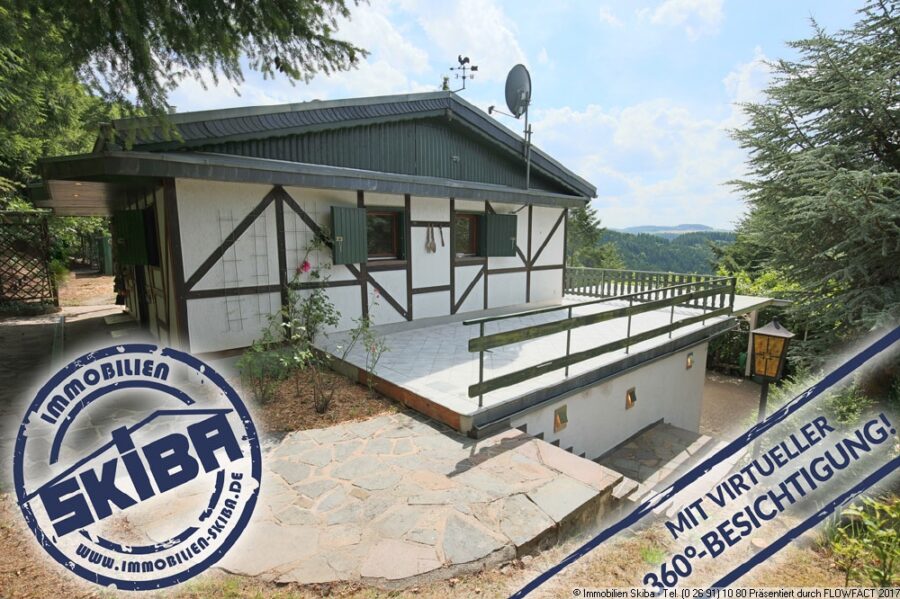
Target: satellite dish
518 90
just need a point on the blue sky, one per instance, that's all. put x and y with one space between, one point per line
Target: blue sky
637 97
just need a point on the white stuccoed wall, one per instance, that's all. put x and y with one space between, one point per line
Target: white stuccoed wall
208 209
598 420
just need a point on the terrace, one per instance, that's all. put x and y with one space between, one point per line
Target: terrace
473 371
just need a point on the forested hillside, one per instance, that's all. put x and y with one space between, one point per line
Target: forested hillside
690 252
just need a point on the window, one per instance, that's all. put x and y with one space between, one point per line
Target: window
383 234
465 234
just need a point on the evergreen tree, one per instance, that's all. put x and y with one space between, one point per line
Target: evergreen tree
128 50
583 246
823 184
66 66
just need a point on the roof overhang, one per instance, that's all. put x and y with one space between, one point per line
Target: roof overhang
79 198
745 304
107 174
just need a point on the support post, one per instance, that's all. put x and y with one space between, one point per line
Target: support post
568 340
763 399
753 316
671 317
481 364
628 333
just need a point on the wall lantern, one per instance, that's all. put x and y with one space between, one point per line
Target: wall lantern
630 398
560 419
770 345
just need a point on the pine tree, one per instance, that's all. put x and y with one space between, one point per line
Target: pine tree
583 246
823 183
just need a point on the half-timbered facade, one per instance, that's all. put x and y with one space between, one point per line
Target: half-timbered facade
422 201
426 222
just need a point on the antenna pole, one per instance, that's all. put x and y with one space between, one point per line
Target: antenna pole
527 151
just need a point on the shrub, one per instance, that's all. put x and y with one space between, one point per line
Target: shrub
262 365
848 405
866 544
58 270
287 345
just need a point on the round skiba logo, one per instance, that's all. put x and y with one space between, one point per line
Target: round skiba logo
137 466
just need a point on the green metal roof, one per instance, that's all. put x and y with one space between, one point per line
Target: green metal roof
437 135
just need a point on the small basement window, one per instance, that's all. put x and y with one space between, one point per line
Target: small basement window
465 235
383 234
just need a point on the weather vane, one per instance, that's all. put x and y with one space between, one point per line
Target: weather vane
464 71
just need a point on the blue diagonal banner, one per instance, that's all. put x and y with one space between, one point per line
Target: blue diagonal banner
742 441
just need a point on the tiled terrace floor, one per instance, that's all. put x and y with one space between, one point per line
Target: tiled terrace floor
434 361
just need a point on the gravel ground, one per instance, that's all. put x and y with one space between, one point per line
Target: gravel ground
729 404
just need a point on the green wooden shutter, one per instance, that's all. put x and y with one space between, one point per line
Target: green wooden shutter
130 241
499 235
348 226
481 235
401 222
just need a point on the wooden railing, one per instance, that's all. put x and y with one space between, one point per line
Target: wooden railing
605 282
644 291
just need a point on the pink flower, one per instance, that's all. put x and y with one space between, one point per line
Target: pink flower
376 293
305 267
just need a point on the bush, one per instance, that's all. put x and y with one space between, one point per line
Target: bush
866 543
287 345
848 405
262 366
58 270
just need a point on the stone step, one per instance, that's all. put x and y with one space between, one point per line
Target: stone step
707 481
638 492
578 500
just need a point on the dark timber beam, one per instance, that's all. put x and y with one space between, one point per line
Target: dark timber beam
562 216
179 287
232 238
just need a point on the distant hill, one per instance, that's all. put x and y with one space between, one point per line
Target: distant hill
667 250
667 231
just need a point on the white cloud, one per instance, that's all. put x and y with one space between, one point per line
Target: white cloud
394 65
372 28
543 59
657 161
478 29
698 17
746 83
606 15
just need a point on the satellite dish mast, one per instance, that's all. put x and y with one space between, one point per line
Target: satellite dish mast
518 98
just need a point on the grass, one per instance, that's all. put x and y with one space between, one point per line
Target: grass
653 555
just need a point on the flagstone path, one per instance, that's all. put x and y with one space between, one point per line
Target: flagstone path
397 499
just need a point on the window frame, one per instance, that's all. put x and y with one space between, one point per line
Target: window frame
472 250
395 216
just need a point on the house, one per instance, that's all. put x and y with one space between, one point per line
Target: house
432 232
213 226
